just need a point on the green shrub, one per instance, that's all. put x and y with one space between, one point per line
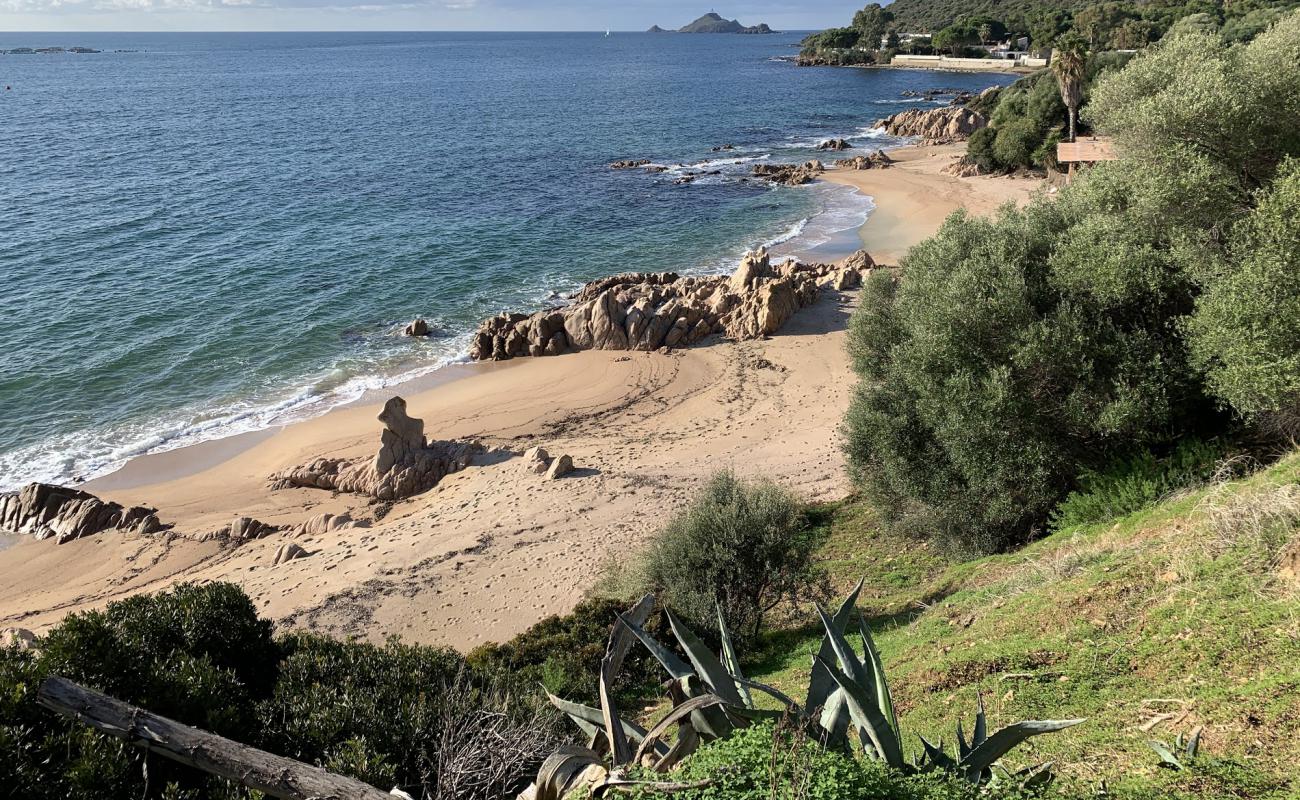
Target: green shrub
764 763
1131 484
1016 143
1020 352
1245 333
411 715
563 653
745 546
979 149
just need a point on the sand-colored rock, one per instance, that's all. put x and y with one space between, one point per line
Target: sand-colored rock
418 327
647 311
288 552
935 125
560 466
406 464
46 511
789 174
19 638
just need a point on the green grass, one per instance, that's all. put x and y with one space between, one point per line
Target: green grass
1175 609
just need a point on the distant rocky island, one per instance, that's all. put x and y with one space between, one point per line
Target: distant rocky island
714 23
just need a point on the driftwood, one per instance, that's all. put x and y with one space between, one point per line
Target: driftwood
274 775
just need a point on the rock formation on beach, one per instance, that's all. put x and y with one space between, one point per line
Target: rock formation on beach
406 464
789 174
935 125
47 511
877 160
646 311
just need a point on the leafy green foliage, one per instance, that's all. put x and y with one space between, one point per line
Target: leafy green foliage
1132 483
770 761
396 714
1021 352
1246 330
743 545
562 652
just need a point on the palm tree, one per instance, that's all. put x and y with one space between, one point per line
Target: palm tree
1068 62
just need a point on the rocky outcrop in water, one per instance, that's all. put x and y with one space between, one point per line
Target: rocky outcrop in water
877 160
789 174
835 144
406 464
418 327
46 511
631 163
935 125
646 311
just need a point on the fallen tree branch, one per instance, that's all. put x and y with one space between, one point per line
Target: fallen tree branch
266 772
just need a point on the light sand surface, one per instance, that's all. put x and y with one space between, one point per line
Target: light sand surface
494 548
914 197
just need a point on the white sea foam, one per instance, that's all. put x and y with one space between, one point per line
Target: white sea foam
79 457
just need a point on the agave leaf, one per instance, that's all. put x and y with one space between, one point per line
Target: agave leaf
730 661
592 720
1194 742
686 743
681 712
560 768
821 685
711 723
1167 758
845 655
999 744
981 723
963 749
707 666
885 698
1038 777
865 714
935 757
678 669
834 718
620 640
771 691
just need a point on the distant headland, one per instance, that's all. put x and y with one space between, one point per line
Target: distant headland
713 22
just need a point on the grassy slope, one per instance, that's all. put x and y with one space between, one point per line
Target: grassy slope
1174 610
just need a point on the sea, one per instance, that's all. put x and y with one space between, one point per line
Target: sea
207 234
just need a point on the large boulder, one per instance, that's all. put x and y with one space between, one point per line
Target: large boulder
789 174
935 125
406 464
288 552
648 311
47 511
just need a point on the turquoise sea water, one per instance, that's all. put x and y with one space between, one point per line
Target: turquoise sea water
214 233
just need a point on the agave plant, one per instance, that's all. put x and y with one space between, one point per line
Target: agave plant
711 698
1187 747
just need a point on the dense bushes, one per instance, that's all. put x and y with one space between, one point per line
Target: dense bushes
1130 484
1028 119
563 652
1021 351
391 715
745 546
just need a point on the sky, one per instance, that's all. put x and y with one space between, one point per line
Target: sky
449 15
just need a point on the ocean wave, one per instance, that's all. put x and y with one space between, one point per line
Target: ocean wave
82 456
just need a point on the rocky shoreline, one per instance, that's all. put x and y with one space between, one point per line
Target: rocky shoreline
647 311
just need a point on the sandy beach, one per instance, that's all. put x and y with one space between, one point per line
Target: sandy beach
494 548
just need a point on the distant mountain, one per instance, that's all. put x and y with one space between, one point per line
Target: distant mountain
714 23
